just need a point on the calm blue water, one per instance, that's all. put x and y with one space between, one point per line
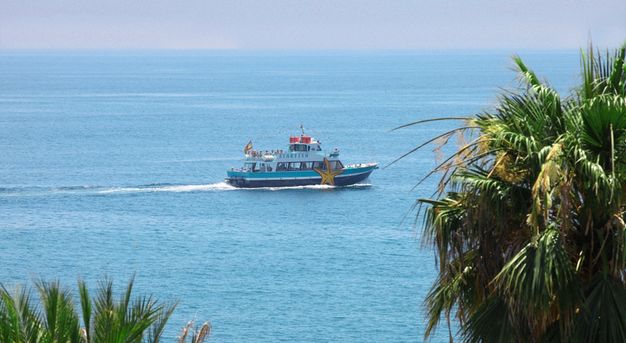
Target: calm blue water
112 164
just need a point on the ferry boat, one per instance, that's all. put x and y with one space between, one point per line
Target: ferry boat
302 163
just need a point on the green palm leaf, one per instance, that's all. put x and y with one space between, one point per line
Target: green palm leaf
61 320
603 314
128 319
530 230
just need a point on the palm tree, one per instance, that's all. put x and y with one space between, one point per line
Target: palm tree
528 225
104 318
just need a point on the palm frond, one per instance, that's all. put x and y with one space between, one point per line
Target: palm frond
540 281
430 120
61 320
491 323
154 335
527 75
445 134
538 200
86 308
602 317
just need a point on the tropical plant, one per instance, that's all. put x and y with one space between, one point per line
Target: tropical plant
102 319
528 224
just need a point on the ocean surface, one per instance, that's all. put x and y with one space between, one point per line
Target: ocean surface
112 164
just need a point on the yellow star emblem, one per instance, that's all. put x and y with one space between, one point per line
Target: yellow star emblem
328 175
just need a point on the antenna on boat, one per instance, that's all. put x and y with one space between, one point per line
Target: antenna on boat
302 128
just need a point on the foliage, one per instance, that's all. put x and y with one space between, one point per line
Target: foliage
528 225
102 318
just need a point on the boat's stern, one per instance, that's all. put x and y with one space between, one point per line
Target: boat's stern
235 178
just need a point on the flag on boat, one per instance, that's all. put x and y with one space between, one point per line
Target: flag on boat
247 148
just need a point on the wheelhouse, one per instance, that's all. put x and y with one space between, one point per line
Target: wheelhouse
303 153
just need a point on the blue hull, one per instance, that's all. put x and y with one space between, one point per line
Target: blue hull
340 180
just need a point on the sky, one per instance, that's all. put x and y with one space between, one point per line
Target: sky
306 24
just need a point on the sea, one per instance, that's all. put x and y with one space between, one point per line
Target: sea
112 165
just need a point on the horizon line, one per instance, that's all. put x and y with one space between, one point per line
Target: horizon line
312 50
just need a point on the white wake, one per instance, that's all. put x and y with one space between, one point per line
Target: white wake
216 187
154 188
219 186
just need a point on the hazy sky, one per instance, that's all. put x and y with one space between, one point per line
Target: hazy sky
324 24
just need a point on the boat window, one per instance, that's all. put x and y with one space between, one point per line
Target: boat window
306 165
298 147
294 166
249 166
319 165
291 147
256 167
281 166
336 164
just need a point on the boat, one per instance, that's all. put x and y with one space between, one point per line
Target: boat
302 163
